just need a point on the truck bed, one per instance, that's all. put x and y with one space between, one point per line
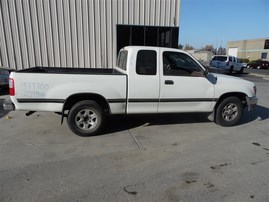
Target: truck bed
66 70
47 88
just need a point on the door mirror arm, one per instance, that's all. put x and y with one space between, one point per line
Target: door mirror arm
205 72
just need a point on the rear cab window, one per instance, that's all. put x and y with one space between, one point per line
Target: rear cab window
122 59
146 62
220 58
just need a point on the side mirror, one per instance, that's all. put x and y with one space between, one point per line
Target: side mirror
211 78
206 72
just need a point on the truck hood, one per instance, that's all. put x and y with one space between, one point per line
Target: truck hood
233 84
228 78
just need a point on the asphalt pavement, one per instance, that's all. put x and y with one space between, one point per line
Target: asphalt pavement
180 157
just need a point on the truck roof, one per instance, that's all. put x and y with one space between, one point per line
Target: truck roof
151 48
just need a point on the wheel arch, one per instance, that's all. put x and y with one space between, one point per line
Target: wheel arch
75 98
240 95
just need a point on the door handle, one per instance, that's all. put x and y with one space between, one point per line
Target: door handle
169 82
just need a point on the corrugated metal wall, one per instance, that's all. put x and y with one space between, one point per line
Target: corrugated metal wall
73 33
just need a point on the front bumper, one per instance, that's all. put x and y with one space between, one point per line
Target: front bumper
251 102
8 105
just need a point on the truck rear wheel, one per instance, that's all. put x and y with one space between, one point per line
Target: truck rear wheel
229 112
85 118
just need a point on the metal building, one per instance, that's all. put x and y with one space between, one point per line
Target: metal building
81 33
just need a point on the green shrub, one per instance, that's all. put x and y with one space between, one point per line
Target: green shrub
243 60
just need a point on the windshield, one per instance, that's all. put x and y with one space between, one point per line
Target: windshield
220 58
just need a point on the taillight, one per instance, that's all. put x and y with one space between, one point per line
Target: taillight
11 87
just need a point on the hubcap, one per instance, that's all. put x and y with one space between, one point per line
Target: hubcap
229 112
86 119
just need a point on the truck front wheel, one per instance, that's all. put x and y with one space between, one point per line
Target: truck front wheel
231 69
229 112
85 118
240 71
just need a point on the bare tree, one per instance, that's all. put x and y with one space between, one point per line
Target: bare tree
220 51
188 47
180 46
208 48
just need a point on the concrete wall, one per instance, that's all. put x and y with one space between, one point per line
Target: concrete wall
204 56
73 33
250 49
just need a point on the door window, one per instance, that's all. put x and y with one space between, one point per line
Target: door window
180 64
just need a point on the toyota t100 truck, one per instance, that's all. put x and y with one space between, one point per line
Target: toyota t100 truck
145 80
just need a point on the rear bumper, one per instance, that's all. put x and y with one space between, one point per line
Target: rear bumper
8 105
251 102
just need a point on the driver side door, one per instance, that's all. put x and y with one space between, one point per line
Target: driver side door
183 88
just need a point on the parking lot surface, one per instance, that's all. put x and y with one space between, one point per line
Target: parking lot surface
179 157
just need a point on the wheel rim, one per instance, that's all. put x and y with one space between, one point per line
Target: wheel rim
86 119
230 112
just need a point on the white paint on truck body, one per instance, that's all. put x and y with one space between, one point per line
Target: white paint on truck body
130 92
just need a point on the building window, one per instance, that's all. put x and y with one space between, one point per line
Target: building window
264 56
138 35
151 36
266 44
146 62
165 35
123 37
133 35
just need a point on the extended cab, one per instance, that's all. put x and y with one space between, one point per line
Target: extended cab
145 80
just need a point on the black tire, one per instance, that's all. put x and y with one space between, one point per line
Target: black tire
229 112
231 69
240 71
86 118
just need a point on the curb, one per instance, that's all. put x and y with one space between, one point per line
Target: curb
265 77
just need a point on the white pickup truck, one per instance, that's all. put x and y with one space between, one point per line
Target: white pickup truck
145 80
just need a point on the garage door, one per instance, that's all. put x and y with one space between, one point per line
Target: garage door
233 52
